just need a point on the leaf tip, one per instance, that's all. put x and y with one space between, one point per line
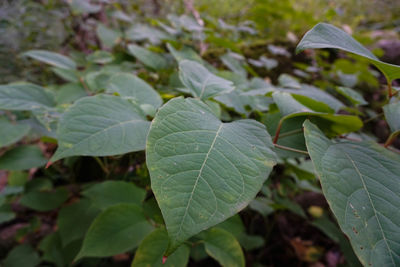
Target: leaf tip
49 163
164 259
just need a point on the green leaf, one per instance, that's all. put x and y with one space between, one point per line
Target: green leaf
204 171
66 74
100 57
107 36
51 58
24 96
328 36
201 82
116 230
17 178
22 255
355 97
6 213
44 200
11 133
337 124
392 115
148 58
360 181
128 85
74 220
152 248
223 246
101 125
106 194
69 93
22 158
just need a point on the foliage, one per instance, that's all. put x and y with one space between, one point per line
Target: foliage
165 141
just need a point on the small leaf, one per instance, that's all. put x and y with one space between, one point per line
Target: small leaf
147 57
101 125
6 213
204 171
74 220
51 58
106 194
355 97
128 85
392 115
116 230
22 255
100 57
107 36
11 133
22 158
223 246
337 124
24 96
324 35
152 248
43 200
201 82
360 181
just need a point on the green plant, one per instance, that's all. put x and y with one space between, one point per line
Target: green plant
207 156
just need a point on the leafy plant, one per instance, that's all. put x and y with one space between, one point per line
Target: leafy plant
188 146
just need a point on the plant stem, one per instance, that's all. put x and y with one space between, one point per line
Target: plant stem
103 167
373 118
289 133
390 89
291 149
278 130
390 140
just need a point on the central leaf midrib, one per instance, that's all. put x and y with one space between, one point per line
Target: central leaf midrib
197 179
372 205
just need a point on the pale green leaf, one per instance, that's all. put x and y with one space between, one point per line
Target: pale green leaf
69 93
106 194
223 246
101 125
148 58
355 97
51 58
201 82
361 182
108 37
11 133
392 115
152 248
24 96
128 85
22 158
116 230
324 35
204 171
336 123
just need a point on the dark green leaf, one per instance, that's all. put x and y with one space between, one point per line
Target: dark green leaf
22 158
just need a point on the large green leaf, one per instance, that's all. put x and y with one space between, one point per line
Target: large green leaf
128 85
116 230
101 125
24 96
11 133
201 82
22 158
22 255
51 58
152 248
392 115
223 246
324 35
338 124
361 182
148 58
202 170
110 193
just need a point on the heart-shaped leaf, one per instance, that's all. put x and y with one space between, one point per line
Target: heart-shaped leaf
361 182
324 35
204 171
201 82
101 125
